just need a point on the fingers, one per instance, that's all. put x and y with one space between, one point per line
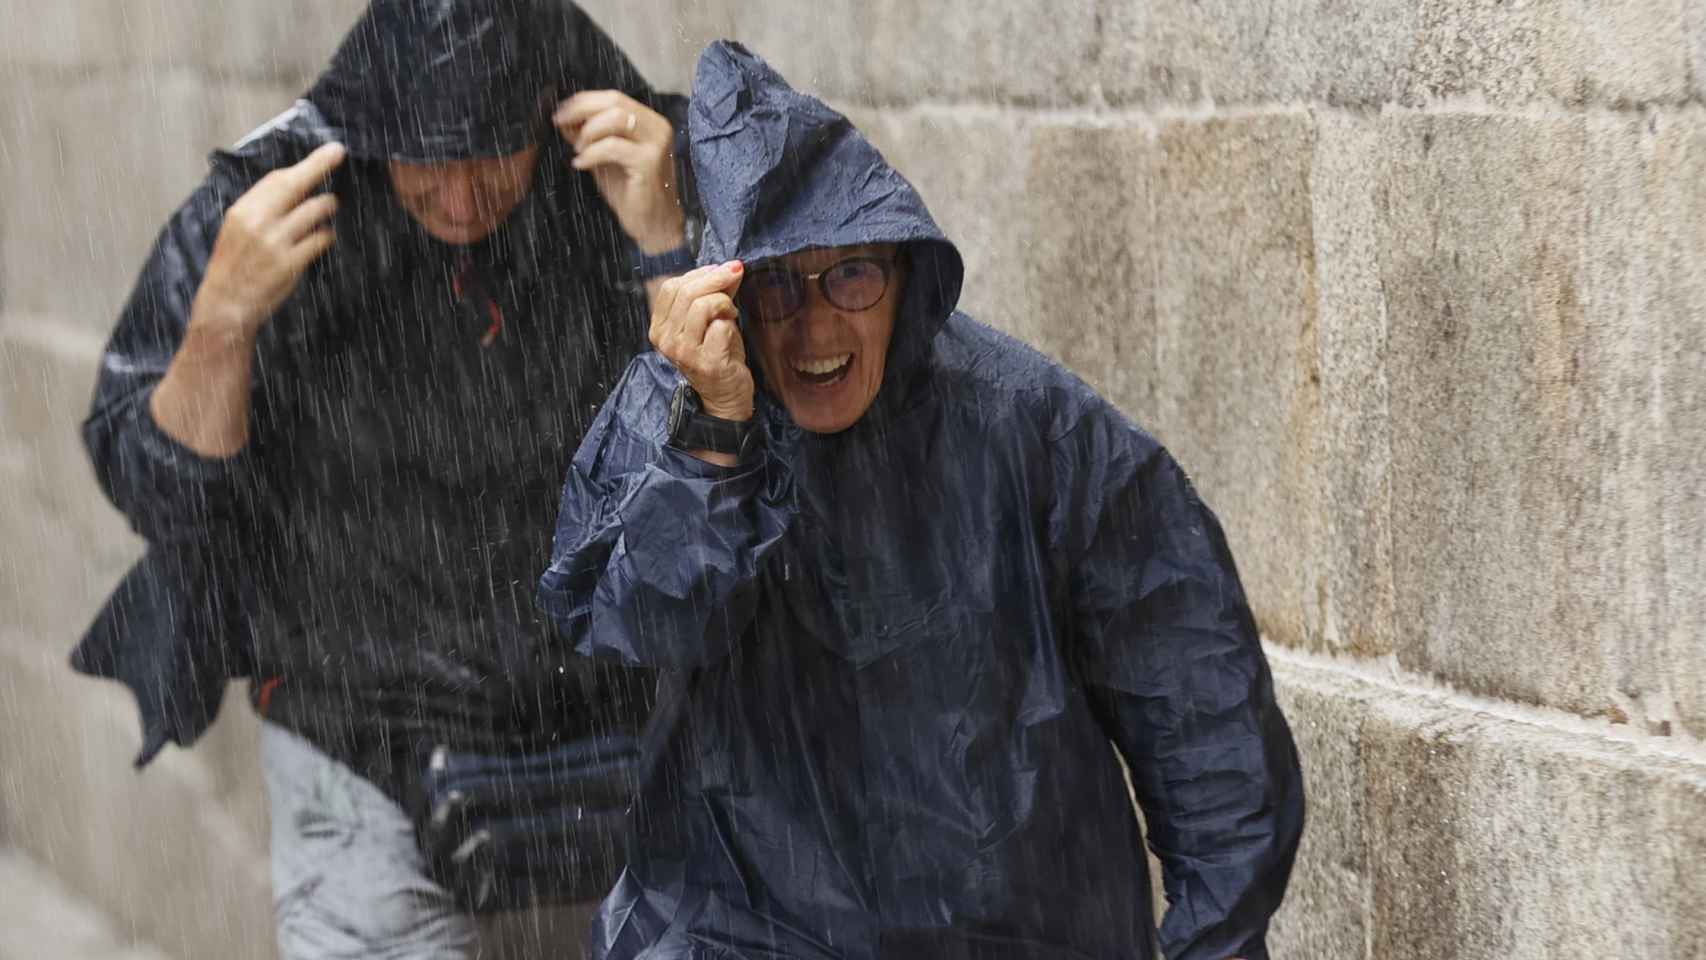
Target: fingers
287 187
712 306
723 339
686 305
311 248
308 215
615 122
583 106
612 151
683 290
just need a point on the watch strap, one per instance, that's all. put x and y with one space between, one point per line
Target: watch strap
691 428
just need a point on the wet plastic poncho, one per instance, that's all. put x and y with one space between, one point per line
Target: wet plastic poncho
895 657
375 543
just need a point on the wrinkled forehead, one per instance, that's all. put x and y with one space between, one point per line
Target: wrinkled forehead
814 259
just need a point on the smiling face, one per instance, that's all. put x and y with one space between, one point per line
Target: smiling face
463 201
824 362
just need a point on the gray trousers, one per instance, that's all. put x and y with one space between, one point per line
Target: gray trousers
350 884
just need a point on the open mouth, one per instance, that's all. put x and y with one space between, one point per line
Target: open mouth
824 372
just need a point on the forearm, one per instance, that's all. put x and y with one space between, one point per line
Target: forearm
661 570
203 400
670 235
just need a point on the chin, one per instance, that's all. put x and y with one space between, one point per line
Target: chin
461 236
823 421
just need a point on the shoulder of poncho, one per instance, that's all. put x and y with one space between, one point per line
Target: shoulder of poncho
1004 376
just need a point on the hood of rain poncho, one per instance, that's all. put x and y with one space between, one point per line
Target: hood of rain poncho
434 80
781 172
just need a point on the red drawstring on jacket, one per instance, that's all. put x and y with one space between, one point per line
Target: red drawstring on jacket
475 296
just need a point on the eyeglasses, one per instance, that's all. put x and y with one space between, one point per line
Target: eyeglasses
774 293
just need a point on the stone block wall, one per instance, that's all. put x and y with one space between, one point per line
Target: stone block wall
107 111
1413 291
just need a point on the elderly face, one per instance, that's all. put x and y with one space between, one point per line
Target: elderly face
821 321
463 201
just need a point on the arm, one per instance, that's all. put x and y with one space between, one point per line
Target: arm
630 138
657 552
631 151
170 419
1169 653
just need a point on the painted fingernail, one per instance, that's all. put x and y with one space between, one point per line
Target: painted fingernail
735 266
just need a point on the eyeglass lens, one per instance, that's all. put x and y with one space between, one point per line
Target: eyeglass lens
777 293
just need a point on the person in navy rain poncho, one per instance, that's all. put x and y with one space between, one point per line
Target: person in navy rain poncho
905 580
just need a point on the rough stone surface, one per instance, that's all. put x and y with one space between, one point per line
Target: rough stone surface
1089 258
1696 39
1671 180
1353 450
1183 51
64 545
1500 841
889 51
969 49
40 918
1482 836
1326 908
85 194
1238 394
112 833
99 35
1494 372
287 40
666 44
1644 222
1568 50
1628 51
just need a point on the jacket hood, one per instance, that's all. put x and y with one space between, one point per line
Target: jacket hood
778 172
436 80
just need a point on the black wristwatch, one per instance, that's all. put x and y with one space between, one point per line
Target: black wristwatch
691 428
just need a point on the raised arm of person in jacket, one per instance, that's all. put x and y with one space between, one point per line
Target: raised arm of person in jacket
171 415
1169 651
658 550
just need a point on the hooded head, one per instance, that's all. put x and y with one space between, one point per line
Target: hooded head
786 181
454 98
435 81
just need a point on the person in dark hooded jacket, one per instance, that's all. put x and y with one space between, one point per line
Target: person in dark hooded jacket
905 581
338 407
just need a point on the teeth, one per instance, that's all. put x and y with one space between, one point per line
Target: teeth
821 367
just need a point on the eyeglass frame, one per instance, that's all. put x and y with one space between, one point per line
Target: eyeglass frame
888 267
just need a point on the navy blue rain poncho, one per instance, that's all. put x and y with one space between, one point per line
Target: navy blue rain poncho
894 658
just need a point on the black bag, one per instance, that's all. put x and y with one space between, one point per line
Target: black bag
511 831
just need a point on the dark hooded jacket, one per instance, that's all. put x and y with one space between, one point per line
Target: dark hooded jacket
368 558
894 658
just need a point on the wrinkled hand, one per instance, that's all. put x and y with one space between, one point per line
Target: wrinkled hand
696 326
630 150
269 237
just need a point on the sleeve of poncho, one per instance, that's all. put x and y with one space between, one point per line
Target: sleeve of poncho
657 554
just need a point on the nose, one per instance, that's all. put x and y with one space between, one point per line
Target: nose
818 319
458 198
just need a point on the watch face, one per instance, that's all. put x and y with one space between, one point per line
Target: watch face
683 404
